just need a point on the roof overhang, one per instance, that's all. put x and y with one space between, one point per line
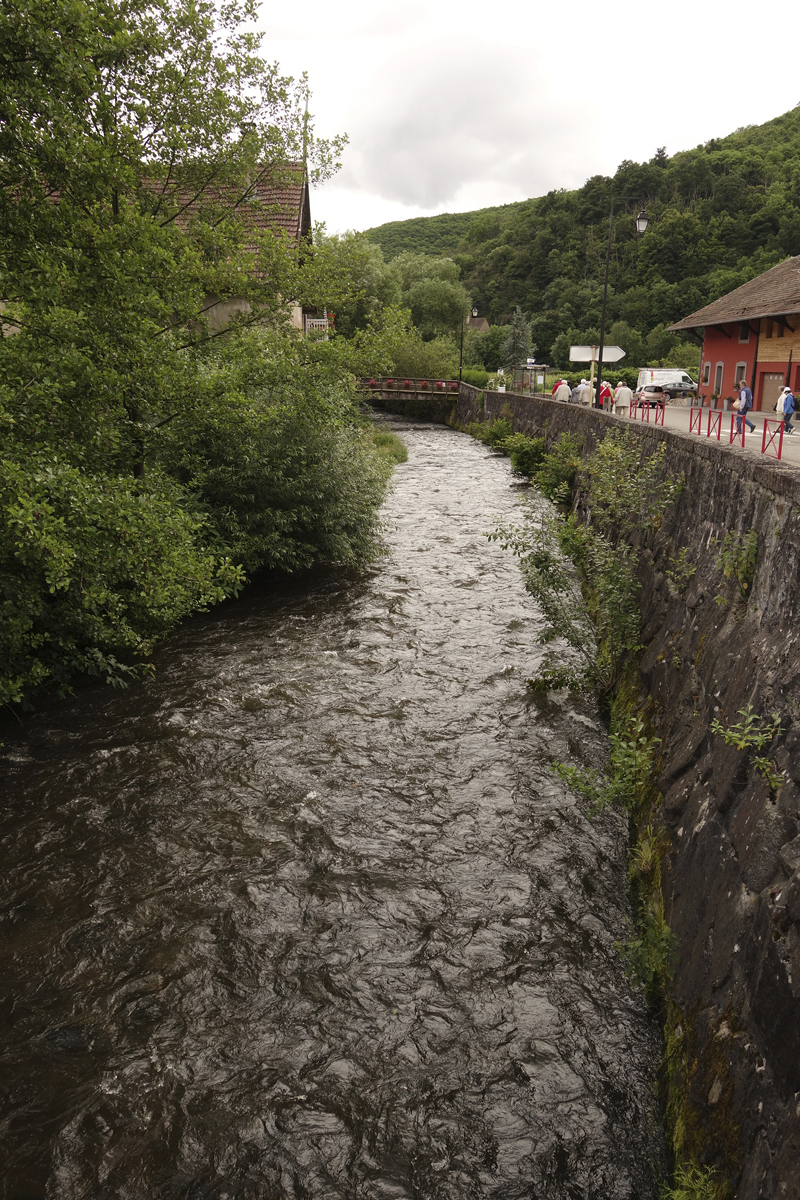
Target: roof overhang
735 319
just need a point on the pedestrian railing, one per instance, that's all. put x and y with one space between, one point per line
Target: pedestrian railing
696 421
737 433
714 423
768 438
634 408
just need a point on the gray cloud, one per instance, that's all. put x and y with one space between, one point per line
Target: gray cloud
448 117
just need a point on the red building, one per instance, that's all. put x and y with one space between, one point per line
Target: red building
753 333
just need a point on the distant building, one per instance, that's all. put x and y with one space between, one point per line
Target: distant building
753 333
479 324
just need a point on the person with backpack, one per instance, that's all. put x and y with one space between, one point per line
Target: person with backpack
743 405
786 405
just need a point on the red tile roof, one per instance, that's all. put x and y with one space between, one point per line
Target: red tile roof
276 199
776 293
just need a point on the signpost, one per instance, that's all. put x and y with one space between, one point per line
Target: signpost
589 354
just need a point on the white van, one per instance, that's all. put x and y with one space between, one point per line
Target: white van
673 382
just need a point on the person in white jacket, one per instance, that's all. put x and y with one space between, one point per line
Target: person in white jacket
563 392
622 397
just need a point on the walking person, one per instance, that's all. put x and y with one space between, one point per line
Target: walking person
562 392
786 405
622 397
743 405
606 396
575 397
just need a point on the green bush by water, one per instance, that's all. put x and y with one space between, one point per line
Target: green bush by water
390 444
527 454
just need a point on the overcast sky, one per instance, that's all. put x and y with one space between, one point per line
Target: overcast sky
454 106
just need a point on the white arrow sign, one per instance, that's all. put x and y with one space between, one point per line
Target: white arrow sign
611 354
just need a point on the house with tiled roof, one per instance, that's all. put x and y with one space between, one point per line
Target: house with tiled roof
277 199
752 333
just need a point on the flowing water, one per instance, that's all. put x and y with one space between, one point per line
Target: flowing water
308 916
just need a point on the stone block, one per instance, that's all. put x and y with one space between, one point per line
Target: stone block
759 831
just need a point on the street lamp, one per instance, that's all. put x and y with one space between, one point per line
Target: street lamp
642 221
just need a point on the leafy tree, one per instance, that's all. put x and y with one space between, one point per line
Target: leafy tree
374 284
430 289
147 454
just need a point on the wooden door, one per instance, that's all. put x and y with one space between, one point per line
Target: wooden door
771 387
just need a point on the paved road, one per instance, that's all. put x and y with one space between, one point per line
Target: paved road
677 417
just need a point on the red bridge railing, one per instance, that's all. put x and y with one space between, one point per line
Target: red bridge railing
389 383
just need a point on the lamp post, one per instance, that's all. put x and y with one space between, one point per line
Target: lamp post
642 221
461 349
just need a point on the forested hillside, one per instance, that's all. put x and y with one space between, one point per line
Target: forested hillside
721 214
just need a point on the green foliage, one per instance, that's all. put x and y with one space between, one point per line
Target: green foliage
390 444
374 285
430 289
149 453
752 733
600 623
477 378
681 569
281 490
526 453
415 358
627 782
628 491
598 619
693 1183
517 344
559 467
492 433
721 214
649 955
737 560
94 569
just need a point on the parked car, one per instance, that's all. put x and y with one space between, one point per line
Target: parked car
674 382
652 394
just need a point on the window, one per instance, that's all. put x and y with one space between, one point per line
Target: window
740 373
706 373
744 332
718 373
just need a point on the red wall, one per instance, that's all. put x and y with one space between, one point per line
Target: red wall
717 348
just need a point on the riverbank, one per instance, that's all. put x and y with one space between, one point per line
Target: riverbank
719 636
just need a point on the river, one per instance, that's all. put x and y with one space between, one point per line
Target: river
308 916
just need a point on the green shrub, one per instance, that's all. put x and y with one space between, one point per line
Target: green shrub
93 568
526 453
555 476
492 433
692 1183
390 444
477 378
282 490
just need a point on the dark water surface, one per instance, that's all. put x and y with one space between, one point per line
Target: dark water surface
308 916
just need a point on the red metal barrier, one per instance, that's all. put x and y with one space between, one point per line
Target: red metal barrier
714 422
696 420
737 434
634 408
660 410
768 438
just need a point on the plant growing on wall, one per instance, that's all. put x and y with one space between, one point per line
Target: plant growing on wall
752 733
737 560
